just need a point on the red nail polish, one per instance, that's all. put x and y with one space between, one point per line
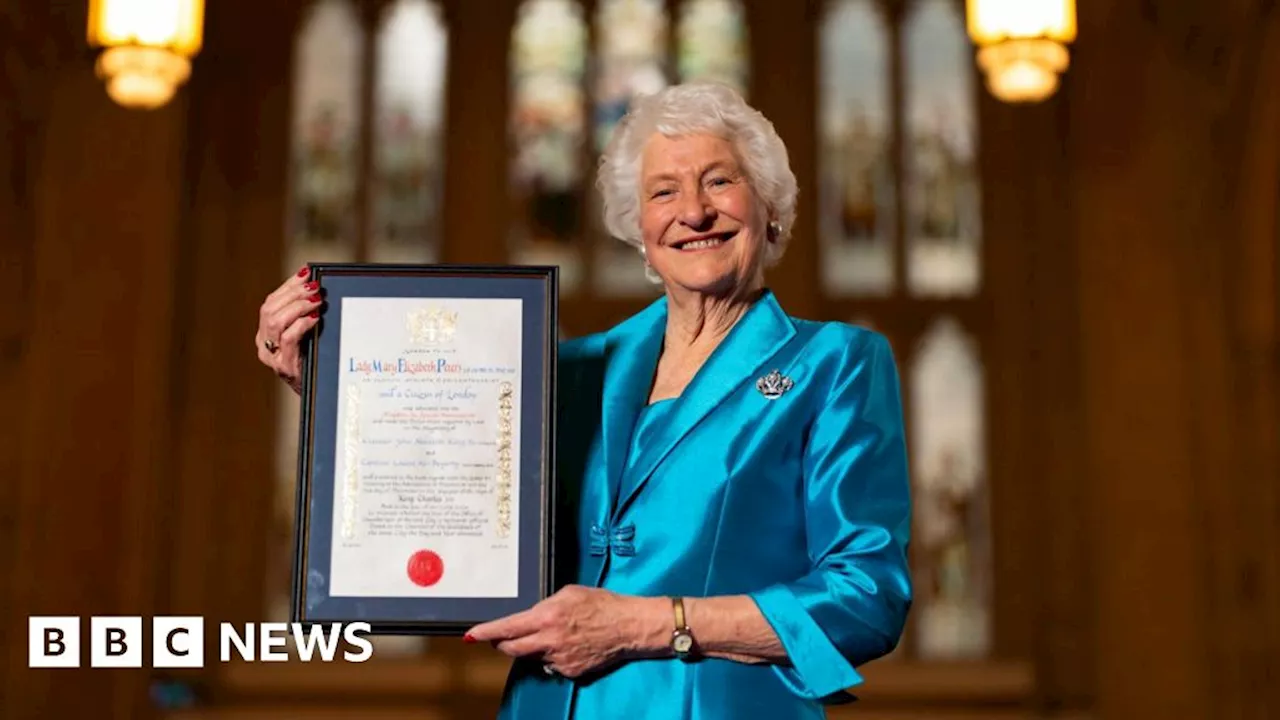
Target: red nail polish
315 298
312 286
302 272
468 638
314 314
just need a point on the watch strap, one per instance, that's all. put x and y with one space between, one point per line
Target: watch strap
682 642
677 606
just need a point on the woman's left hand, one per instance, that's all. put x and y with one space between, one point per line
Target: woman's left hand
577 630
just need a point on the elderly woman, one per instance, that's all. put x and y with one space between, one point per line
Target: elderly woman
736 479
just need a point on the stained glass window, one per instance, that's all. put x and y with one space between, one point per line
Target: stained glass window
548 126
943 223
631 54
326 132
573 77
949 465
856 129
712 43
407 143
631 59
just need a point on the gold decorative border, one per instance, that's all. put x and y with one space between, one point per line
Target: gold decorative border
503 486
351 445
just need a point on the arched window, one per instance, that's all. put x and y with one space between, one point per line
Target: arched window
548 128
942 223
948 461
573 78
328 93
366 144
899 234
855 127
711 43
407 122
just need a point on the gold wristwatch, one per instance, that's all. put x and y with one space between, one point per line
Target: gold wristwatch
682 643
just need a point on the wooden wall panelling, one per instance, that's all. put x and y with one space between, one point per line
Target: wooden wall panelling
1254 263
1051 461
1243 504
477 212
1043 556
1041 600
102 209
1147 554
25 58
1154 170
783 85
221 491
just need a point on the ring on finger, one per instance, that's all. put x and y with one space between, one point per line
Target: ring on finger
271 346
549 670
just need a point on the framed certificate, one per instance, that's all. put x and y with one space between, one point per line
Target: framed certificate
426 451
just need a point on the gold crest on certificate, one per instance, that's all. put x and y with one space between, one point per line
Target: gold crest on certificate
431 326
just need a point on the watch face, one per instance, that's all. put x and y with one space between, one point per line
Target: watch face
682 643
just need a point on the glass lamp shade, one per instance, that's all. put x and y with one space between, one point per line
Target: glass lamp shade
147 47
1022 45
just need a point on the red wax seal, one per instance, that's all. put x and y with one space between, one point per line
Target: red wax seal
425 568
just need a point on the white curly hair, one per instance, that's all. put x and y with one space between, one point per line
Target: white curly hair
697 108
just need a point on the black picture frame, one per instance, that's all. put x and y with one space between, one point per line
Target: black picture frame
538 287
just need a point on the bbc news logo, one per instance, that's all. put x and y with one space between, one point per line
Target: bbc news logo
178 642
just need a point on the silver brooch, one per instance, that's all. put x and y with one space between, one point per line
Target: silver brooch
774 384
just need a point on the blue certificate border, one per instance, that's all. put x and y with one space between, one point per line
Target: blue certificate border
538 288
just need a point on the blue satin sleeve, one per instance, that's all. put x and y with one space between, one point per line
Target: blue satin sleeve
852 606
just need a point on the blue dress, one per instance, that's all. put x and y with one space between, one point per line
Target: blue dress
789 487
651 421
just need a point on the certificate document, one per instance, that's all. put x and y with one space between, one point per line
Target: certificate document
428 391
426 498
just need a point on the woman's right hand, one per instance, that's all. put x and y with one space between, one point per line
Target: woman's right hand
286 315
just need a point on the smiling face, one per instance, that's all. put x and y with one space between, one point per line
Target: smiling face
703 226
